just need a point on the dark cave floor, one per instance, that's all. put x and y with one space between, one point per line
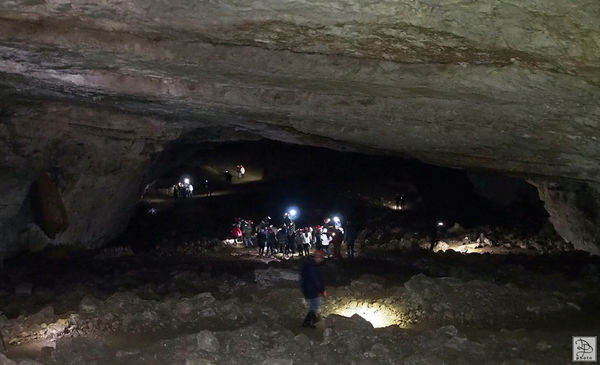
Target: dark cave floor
227 305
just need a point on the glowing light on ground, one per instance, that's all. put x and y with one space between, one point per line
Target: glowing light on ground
377 314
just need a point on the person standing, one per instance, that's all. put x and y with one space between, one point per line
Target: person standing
336 240
236 232
325 239
228 176
261 238
271 242
282 239
349 238
312 287
318 241
306 238
247 232
291 238
206 188
299 242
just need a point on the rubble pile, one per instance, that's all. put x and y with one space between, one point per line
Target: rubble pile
393 238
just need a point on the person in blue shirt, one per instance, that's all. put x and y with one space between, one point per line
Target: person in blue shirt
312 287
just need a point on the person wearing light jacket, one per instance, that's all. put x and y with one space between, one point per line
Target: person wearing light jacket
325 239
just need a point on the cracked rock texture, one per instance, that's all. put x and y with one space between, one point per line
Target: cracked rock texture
96 168
510 86
575 212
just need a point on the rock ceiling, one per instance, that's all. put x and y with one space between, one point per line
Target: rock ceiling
507 85
89 90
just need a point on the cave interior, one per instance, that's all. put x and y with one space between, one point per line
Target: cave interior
458 140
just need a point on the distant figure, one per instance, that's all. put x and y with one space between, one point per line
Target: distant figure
242 171
400 202
228 176
261 238
306 241
325 239
286 219
271 241
435 231
318 241
247 234
312 287
207 188
300 242
313 238
349 238
236 232
336 240
291 239
282 239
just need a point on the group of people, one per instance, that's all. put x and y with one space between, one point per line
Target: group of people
240 172
289 240
183 189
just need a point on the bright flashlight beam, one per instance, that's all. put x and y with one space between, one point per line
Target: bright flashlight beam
186 180
292 213
440 224
336 219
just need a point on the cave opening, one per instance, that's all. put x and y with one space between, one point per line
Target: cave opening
369 190
438 251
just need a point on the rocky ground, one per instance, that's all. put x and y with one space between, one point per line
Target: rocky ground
229 307
383 237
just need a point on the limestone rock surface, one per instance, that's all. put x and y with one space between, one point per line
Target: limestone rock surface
91 90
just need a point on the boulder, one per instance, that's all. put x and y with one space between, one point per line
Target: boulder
272 276
441 246
207 341
355 323
88 305
5 360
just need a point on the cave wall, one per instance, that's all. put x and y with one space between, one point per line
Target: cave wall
99 171
574 210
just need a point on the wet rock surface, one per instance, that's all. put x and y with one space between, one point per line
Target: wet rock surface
452 308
